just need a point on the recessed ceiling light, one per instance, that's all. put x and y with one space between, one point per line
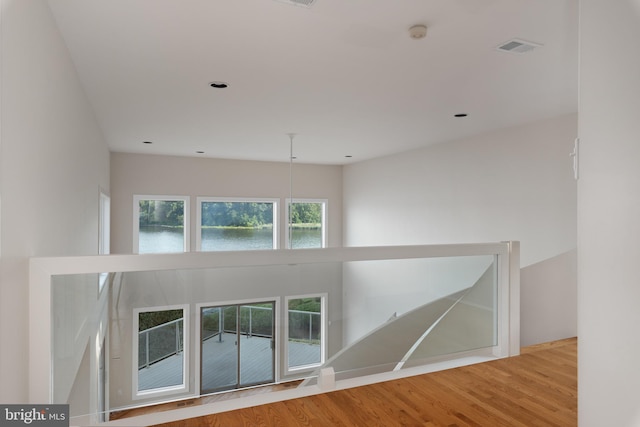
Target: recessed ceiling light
147 142
218 85
460 115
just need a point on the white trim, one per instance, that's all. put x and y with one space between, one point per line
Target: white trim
324 297
512 336
104 233
200 199
104 223
136 217
325 223
163 391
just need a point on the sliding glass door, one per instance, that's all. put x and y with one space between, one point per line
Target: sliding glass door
237 346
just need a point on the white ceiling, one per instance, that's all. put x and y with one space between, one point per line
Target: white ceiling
344 75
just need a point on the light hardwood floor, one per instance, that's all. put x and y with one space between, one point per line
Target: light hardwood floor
537 388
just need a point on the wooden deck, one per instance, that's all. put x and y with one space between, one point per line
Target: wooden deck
537 388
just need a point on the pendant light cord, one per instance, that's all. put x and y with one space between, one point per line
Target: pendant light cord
290 233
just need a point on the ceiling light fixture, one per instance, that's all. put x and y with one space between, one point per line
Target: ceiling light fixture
290 240
418 32
218 85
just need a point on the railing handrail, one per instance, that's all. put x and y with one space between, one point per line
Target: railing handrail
250 333
42 269
304 312
161 325
188 260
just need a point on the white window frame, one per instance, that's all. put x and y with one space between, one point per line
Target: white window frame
325 225
104 223
104 232
162 391
203 199
136 218
323 333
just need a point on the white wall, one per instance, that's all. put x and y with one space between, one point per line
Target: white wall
549 299
374 291
187 176
510 184
54 161
609 215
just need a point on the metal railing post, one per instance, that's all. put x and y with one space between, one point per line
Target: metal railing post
177 337
220 325
147 349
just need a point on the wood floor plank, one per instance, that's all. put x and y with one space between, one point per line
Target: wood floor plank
537 388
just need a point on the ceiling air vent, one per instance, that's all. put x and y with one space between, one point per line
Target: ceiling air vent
518 46
303 3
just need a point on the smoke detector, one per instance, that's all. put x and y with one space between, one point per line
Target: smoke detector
303 3
418 32
517 46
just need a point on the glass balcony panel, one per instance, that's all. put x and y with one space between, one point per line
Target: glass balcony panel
382 315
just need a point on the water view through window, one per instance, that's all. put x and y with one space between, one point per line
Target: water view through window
227 225
161 226
307 224
236 225
161 240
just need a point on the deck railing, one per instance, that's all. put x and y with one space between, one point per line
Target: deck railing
159 342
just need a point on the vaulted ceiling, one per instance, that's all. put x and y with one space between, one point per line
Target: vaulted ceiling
343 75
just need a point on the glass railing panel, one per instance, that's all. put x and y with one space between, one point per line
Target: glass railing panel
393 306
469 324
357 317
74 301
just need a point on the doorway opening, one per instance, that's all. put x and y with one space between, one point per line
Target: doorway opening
237 346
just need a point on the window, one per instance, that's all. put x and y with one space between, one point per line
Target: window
160 224
305 326
160 347
308 225
236 224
